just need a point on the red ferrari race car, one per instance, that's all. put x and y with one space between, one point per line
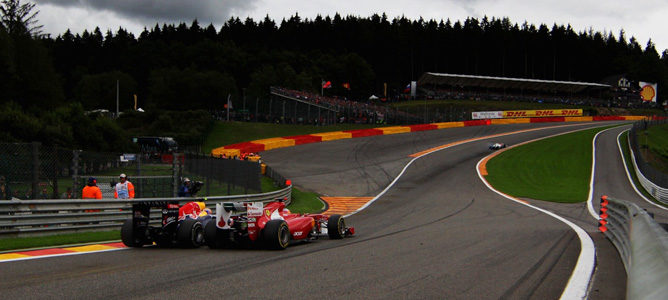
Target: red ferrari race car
270 224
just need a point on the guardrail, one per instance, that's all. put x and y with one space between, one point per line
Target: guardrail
642 245
659 193
21 218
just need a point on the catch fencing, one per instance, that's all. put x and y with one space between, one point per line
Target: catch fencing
642 244
654 181
231 174
30 171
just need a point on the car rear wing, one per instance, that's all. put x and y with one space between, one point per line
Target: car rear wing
225 210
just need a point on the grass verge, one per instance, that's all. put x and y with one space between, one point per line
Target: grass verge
305 202
556 169
623 141
655 138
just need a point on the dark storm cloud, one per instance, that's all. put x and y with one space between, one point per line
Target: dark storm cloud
164 10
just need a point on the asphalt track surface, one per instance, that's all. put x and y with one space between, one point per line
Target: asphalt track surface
438 233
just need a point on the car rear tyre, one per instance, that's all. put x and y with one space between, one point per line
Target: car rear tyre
213 237
129 236
336 227
276 234
190 234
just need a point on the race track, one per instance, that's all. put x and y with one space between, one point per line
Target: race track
438 233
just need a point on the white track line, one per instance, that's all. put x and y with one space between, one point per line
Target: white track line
454 144
590 198
628 173
578 284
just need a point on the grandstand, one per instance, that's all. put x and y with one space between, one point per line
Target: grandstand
293 106
456 86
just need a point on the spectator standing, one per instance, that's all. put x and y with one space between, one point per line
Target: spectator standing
44 194
67 194
5 192
184 189
124 189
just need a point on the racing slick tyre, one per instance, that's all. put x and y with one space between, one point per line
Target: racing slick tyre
128 235
336 227
213 238
276 234
190 234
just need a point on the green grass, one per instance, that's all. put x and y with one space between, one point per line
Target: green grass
556 169
62 239
226 133
305 202
623 140
655 138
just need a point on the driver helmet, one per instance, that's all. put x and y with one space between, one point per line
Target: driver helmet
202 205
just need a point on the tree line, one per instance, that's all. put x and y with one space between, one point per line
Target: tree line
190 66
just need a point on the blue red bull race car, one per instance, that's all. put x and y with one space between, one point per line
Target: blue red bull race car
270 225
180 225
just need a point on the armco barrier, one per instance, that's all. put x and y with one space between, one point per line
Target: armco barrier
642 245
20 218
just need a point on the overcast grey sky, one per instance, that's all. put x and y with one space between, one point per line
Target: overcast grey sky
643 19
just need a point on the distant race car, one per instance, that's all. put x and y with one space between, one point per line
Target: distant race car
181 225
270 225
497 146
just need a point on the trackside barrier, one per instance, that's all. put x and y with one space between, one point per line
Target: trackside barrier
642 244
21 218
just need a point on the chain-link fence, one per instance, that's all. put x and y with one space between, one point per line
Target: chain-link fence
226 176
34 171
638 132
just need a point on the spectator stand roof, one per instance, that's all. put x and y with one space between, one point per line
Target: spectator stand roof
506 82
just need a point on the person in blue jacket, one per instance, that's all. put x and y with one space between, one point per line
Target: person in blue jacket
184 189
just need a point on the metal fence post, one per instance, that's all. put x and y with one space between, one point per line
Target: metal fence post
175 175
56 171
140 182
35 169
209 172
75 173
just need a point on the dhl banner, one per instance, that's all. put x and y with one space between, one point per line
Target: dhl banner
542 113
